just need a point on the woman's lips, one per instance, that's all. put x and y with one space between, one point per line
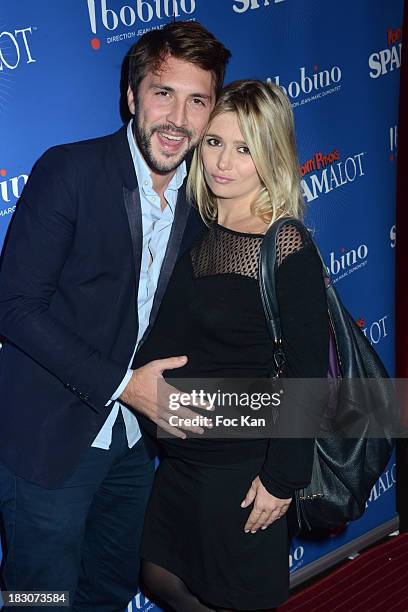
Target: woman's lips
221 179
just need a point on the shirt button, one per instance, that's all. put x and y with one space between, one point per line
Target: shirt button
146 183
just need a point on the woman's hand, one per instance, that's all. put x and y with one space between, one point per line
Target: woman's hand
267 508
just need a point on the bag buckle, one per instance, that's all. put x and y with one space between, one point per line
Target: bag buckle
278 358
311 497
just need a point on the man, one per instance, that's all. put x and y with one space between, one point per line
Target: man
88 258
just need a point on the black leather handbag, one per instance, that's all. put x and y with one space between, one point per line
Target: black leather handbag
346 465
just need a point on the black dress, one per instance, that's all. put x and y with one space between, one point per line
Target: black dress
212 312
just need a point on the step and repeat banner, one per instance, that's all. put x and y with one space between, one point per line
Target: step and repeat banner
60 77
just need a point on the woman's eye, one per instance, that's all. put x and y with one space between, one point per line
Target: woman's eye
244 150
198 102
213 142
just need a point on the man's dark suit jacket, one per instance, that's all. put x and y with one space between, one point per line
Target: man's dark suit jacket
68 302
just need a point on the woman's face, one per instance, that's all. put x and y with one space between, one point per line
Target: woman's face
229 170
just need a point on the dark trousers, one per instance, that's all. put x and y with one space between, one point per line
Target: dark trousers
84 536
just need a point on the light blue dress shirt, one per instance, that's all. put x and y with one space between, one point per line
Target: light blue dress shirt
156 226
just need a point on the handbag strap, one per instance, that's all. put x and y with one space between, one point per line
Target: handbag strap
267 281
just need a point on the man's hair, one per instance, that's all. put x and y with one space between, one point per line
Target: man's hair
265 118
184 40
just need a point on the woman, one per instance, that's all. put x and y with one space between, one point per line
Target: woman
215 535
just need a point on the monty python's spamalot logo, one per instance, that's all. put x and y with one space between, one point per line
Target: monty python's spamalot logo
389 59
325 172
15 48
242 6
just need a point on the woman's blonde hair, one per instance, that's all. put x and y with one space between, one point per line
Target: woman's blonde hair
266 121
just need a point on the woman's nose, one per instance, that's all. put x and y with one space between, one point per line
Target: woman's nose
224 160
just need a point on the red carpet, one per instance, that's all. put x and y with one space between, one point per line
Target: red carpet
376 581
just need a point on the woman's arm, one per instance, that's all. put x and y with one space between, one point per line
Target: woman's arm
302 303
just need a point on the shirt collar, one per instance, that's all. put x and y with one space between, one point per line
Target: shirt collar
142 170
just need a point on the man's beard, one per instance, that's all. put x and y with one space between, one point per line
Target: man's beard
143 139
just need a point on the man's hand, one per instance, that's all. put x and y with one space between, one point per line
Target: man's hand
267 508
141 394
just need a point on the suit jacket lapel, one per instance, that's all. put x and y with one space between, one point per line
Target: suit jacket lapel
131 201
176 234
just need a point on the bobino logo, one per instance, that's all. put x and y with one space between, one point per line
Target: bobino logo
141 604
393 236
327 171
385 483
106 19
393 136
310 85
296 558
242 6
388 59
15 48
10 190
347 261
374 331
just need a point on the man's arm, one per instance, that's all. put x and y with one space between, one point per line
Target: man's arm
38 244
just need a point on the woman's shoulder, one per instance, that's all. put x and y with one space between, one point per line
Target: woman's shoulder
291 239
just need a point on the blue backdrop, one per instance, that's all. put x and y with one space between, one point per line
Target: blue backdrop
60 66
